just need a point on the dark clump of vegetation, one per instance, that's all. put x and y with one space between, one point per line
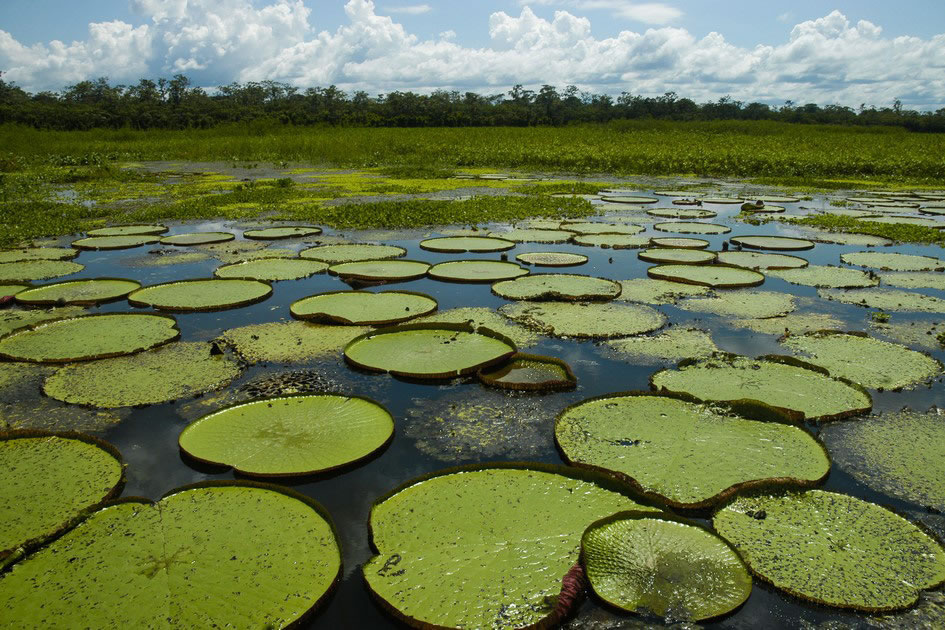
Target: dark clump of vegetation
901 233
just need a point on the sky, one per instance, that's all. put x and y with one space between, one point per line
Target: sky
842 52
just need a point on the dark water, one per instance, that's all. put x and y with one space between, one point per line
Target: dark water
148 438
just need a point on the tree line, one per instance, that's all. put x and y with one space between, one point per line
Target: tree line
176 104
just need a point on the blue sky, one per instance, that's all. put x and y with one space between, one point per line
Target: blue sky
843 52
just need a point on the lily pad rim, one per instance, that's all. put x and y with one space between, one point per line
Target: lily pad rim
556 296
570 264
738 240
262 261
253 234
149 239
332 319
375 278
73 302
153 229
403 252
497 247
655 269
165 241
468 280
201 309
569 382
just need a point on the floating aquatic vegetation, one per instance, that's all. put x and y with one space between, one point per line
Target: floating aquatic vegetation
592 320
673 345
848 238
793 323
78 292
886 299
269 555
782 243
552 259
651 291
363 307
631 199
381 270
165 260
677 256
271 269
612 241
461 244
352 252
682 213
690 227
591 227
476 271
723 200
753 304
29 270
557 286
290 342
660 565
201 295
921 333
12 319
919 221
288 231
761 261
695 194
715 276
846 212
129 230
914 280
833 549
12 289
777 199
894 261
524 235
481 317
530 372
826 276
114 242
679 242
37 253
197 238
443 544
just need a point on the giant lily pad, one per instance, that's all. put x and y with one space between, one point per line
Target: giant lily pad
793 323
88 337
783 243
476 271
82 292
12 319
723 200
530 235
290 435
870 362
586 320
716 276
886 299
679 243
674 345
690 227
530 372
129 230
428 351
631 199
762 261
677 256
848 238
165 374
914 280
893 261
920 221
483 547
552 259
198 238
227 553
38 253
354 252
201 295
460 244
612 241
290 342
48 479
757 304
271 269
381 270
12 289
115 242
833 549
482 317
557 286
288 231
683 454
679 193
681 213
650 291
663 566
826 276
765 388
363 307
28 270
777 199
590 227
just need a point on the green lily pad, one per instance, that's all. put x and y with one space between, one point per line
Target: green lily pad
777 199
914 280
679 242
363 307
677 256
147 378
716 276
848 238
723 200
201 295
115 242
168 259
267 554
864 199
82 292
893 261
650 291
290 342
198 238
682 454
766 388
271 269
88 337
48 479
920 221
756 304
37 253
12 319
892 204
826 276
911 332
783 243
288 231
129 230
529 235
933 210
460 244
483 547
793 323
662 566
381 270
761 261
590 227
290 435
476 271
690 227
530 372
802 541
681 213
29 270
428 351
897 453
354 252
846 212
12 289
870 362
673 345
631 199
679 193
551 259
557 286
886 299
593 320
482 317
612 241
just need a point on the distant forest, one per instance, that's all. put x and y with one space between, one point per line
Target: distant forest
176 104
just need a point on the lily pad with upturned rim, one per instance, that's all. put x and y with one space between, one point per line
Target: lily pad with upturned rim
594 320
679 243
826 276
530 235
690 227
682 213
754 304
628 199
847 238
288 231
29 270
476 271
674 345
37 253
129 230
761 261
679 193
12 289
894 261
80 292
594 228
114 242
352 252
677 256
483 317
381 270
201 295
886 299
290 342
12 319
363 308
723 200
557 286
530 372
612 241
290 435
914 280
198 238
271 269
896 220
652 291
461 244
552 259
716 276
778 243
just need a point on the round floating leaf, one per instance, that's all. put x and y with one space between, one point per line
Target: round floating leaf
381 270
689 227
483 547
650 291
893 261
632 199
794 323
896 453
612 241
723 200
521 235
460 244
892 204
201 295
83 292
681 213
12 319
755 208
920 221
482 317
129 230
663 566
531 372
886 299
590 320
914 280
870 362
162 375
198 238
167 259
766 388
783 243
552 259
683 454
363 307
12 289
827 276
679 193
29 270
38 253
288 231
674 345
557 286
762 261
230 554
290 342
678 256
589 227
476 271
758 304
864 199
845 212
48 479
115 242
290 435
679 243
716 276
271 269
428 351
355 252
849 238
777 199
88 337
833 549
